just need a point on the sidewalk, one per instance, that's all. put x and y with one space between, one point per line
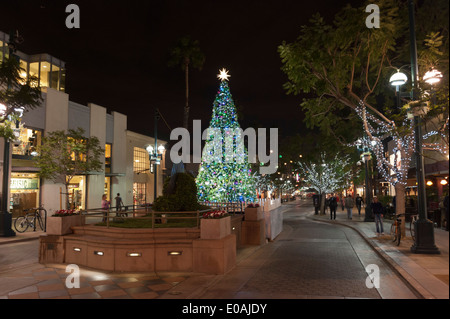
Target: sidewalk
20 237
427 274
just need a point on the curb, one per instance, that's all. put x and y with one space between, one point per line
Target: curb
415 287
17 240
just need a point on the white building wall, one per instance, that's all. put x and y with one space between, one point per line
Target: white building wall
96 182
56 119
119 160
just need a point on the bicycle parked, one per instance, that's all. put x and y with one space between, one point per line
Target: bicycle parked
396 232
32 219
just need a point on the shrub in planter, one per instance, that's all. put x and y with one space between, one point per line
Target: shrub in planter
184 197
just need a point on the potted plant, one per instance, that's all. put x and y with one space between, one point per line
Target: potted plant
215 225
61 222
253 212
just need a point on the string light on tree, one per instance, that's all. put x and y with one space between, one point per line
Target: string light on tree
225 176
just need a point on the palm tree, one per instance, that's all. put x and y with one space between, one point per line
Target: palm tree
186 53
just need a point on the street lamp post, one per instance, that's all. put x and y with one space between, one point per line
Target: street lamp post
155 155
5 215
424 242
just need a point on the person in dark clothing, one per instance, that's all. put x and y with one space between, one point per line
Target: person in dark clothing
359 200
377 210
333 205
316 202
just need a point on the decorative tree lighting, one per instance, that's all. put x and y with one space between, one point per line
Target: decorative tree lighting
225 175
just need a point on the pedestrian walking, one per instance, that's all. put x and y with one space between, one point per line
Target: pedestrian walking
333 206
359 200
342 201
349 206
119 202
105 206
377 210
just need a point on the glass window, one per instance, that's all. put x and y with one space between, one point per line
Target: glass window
3 50
24 192
23 71
45 74
108 158
34 70
77 191
107 189
29 141
54 77
62 84
141 161
139 193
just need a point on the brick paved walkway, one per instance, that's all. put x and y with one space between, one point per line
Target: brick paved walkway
41 282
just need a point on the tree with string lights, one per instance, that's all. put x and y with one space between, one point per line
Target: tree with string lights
326 175
225 174
344 68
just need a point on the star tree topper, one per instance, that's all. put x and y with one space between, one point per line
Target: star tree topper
223 76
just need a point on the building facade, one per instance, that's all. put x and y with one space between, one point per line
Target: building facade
123 149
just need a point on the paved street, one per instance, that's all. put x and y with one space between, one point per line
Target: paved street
312 258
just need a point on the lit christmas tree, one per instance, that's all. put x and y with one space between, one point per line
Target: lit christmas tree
225 174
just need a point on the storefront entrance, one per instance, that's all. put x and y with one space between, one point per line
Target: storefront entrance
77 192
24 192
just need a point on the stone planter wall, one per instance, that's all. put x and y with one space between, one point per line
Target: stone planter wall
215 228
274 223
63 225
128 250
254 213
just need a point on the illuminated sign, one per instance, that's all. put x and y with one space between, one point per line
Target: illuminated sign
24 183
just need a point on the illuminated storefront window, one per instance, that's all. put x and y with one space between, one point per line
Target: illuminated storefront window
77 192
141 162
29 141
107 190
54 77
108 158
62 84
23 71
139 193
44 77
24 192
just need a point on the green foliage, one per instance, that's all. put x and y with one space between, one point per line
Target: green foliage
338 64
185 52
184 197
15 93
63 155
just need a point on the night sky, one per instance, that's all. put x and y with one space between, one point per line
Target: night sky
118 57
